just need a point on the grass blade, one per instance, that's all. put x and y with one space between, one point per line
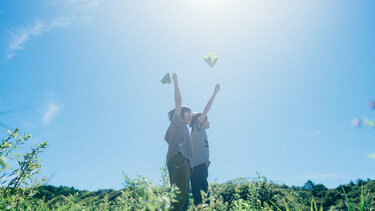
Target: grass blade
362 205
286 205
347 200
316 208
276 206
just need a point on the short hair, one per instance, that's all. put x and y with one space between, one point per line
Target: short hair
195 118
183 110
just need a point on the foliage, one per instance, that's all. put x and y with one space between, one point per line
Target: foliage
17 184
140 193
21 190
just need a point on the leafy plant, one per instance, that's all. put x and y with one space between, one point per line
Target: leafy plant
17 184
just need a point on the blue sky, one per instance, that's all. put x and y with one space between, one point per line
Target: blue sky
85 76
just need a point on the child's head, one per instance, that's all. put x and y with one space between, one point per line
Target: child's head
185 113
196 117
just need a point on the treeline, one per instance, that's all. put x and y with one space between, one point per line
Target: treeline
52 195
335 197
257 192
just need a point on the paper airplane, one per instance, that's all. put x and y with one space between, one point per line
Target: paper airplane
166 79
210 58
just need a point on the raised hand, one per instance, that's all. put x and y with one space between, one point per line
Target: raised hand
217 88
174 77
177 95
208 106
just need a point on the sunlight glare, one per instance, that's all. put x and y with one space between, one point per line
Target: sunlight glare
210 6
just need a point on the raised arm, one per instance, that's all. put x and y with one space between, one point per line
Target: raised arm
208 106
177 95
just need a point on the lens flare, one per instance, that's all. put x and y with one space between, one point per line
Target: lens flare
356 122
371 104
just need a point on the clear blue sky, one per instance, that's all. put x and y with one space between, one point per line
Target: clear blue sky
293 76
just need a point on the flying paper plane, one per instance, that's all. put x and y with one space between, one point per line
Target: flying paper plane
166 79
210 58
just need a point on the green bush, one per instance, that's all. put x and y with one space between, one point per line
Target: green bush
22 190
18 183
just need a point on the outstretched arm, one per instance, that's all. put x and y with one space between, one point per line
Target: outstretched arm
208 106
177 95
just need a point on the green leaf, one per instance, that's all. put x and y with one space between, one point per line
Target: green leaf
166 79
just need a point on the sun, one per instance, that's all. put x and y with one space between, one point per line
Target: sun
210 5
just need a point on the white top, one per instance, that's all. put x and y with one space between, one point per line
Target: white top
199 145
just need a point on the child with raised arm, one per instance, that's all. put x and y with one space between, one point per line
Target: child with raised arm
200 157
179 147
